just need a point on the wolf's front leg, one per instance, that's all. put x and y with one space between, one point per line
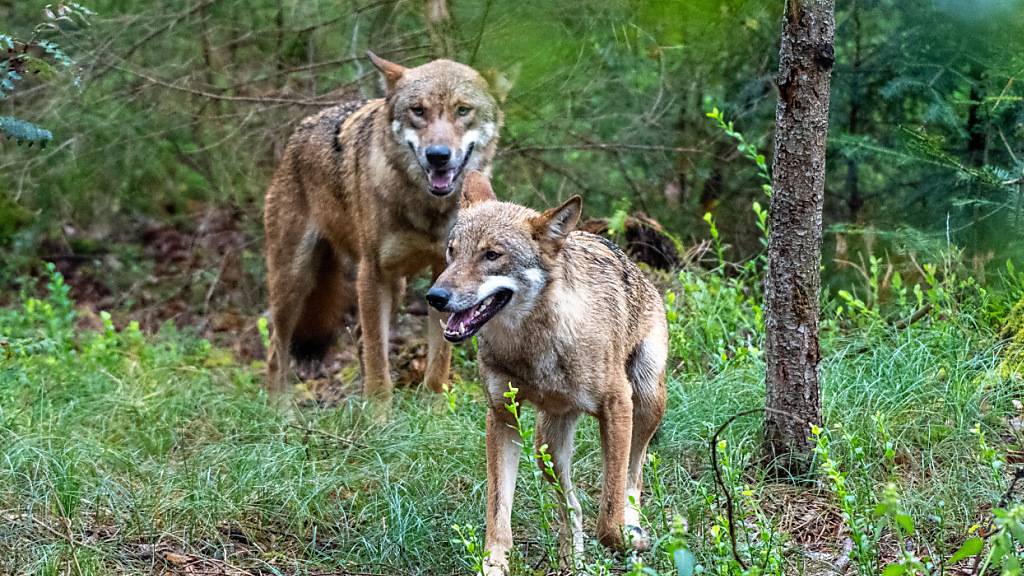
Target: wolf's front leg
439 351
374 318
558 433
502 466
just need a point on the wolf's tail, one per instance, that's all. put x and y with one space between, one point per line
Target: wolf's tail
323 312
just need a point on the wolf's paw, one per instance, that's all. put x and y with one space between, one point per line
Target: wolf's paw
636 537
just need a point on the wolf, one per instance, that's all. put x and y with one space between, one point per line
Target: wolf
570 322
364 197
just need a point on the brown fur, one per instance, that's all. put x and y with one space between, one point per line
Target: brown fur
583 332
352 212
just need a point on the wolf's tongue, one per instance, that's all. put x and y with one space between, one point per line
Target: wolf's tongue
458 318
442 179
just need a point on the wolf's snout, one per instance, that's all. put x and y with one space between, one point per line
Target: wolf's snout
438 297
438 155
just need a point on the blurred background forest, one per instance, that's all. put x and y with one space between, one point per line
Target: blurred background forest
171 118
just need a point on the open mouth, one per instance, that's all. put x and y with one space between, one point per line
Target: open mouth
465 323
442 180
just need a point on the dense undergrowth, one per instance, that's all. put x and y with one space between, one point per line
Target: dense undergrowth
124 452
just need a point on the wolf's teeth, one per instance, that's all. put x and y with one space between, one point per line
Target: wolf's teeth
444 326
462 327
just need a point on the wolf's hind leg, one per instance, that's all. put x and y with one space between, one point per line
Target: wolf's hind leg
290 275
329 297
616 420
647 376
646 418
279 358
559 432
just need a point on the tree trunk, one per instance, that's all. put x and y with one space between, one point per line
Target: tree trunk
793 282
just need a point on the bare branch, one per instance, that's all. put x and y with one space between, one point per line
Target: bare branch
605 147
226 98
162 30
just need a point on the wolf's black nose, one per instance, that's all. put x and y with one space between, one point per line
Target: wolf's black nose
438 155
438 297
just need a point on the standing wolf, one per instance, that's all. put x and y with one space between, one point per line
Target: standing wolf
566 318
366 192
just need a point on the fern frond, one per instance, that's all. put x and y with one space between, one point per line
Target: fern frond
55 52
22 131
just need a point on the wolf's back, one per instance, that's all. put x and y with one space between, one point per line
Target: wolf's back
316 145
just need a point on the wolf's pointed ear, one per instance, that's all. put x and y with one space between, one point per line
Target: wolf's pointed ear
476 188
556 223
392 72
501 83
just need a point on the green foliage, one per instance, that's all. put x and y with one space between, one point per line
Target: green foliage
931 104
714 320
157 434
1005 553
1013 331
34 55
22 131
744 147
472 546
890 517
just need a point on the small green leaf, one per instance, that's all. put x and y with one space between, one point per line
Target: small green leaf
894 570
684 561
972 547
1016 530
905 522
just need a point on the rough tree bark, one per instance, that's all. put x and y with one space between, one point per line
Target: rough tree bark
793 282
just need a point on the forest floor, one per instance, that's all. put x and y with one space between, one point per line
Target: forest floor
150 448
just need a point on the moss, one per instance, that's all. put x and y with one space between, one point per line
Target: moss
1013 331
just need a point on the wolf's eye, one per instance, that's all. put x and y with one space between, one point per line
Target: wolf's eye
463 110
492 255
418 110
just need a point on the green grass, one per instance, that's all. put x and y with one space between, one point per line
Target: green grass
119 448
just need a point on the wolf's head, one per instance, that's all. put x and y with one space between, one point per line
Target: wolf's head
445 116
500 258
